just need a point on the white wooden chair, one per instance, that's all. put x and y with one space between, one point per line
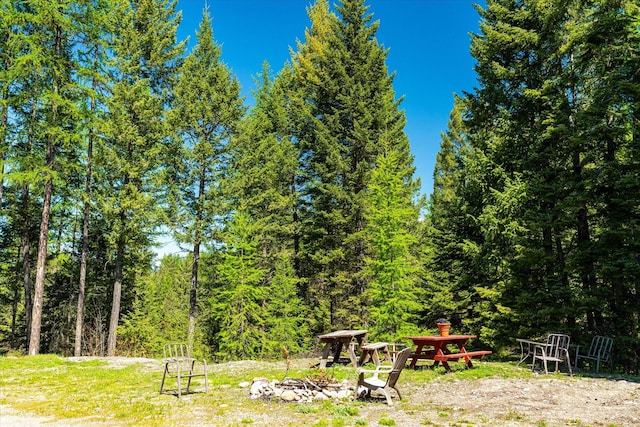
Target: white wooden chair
555 350
179 364
599 351
393 373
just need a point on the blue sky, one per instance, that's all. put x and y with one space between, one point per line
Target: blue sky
429 51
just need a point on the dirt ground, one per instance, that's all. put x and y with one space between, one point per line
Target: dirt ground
552 400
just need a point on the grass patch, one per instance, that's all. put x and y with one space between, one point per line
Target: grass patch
96 391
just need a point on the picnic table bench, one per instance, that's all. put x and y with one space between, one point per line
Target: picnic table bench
371 351
347 339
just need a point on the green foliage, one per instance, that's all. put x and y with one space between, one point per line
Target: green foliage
286 326
393 293
206 111
337 68
237 303
527 182
160 310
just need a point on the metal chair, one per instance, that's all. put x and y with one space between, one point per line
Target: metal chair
555 350
179 364
375 383
599 351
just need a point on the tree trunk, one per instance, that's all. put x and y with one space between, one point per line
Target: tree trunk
38 297
14 310
117 295
26 236
26 261
192 294
36 317
85 227
193 302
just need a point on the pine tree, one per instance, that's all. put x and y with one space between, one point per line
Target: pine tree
349 109
263 171
93 59
549 130
238 300
50 48
392 217
146 61
607 57
207 108
453 235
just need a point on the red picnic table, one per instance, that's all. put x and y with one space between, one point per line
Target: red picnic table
436 348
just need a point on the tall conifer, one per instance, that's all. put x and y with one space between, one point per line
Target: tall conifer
350 109
207 109
146 59
50 45
263 175
392 217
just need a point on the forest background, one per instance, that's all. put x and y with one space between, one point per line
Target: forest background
302 214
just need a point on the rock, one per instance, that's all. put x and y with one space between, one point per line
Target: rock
320 397
288 396
258 387
330 393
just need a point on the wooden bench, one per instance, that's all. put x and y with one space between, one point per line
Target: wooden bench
455 356
370 350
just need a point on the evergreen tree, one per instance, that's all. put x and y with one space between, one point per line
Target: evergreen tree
452 233
8 25
240 292
349 109
207 108
50 47
262 178
160 310
548 132
392 217
607 58
93 60
146 61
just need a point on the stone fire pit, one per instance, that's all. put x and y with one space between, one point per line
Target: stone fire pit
300 390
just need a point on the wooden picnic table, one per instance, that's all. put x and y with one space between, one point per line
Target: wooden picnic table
347 338
436 348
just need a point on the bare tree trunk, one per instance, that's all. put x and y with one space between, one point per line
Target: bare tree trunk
192 294
38 297
26 261
193 303
117 296
26 236
14 310
85 228
36 317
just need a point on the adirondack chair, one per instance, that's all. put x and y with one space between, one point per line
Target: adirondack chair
179 364
555 350
376 383
599 351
